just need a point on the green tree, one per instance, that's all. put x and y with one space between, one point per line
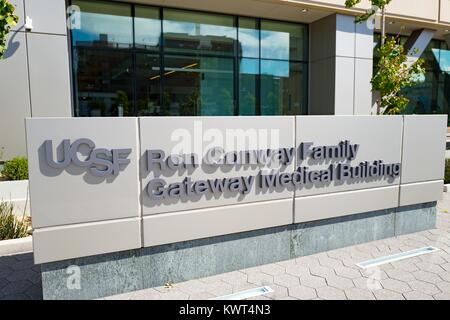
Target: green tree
393 75
393 70
7 20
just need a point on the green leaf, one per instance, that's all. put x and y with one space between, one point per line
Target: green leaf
10 20
7 20
351 3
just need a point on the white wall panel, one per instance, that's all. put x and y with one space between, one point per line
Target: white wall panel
74 195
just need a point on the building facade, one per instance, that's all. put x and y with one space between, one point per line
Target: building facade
208 58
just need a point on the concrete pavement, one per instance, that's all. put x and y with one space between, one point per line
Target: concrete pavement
334 274
328 275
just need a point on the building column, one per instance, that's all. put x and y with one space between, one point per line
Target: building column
341 56
417 43
37 64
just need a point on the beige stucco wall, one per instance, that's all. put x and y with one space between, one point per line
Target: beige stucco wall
434 11
445 11
421 9
428 11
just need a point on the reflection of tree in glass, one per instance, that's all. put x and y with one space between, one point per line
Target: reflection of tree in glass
225 102
166 103
142 107
188 107
123 101
248 99
272 103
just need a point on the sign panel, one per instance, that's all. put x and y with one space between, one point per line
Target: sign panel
358 152
183 178
190 162
82 170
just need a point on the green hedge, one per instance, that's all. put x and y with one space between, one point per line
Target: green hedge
16 169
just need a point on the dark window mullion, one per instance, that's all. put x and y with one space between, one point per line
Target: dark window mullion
134 65
258 76
161 63
236 69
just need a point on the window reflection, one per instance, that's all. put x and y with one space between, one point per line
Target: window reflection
431 95
248 38
248 86
148 85
104 83
198 86
103 25
282 40
198 32
280 83
128 62
147 28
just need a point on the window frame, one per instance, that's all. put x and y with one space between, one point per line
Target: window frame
236 57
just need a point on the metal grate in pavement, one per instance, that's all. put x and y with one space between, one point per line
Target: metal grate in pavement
396 257
245 294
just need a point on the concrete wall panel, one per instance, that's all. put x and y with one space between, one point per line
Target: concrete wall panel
344 203
421 192
418 9
340 76
345 35
80 240
14 97
323 38
363 87
74 195
320 103
424 148
197 224
344 85
48 16
363 41
49 75
445 11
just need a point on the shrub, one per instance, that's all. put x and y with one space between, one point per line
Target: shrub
447 171
16 169
10 226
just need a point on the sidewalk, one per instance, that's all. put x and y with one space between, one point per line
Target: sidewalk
20 279
334 275
329 275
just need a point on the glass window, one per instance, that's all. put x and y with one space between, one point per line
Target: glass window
103 24
148 85
283 40
104 83
248 35
186 31
137 60
248 86
281 87
200 86
430 95
421 95
147 28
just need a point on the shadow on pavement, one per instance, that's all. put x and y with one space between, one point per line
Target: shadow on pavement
20 278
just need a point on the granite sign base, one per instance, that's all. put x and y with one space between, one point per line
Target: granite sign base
120 272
